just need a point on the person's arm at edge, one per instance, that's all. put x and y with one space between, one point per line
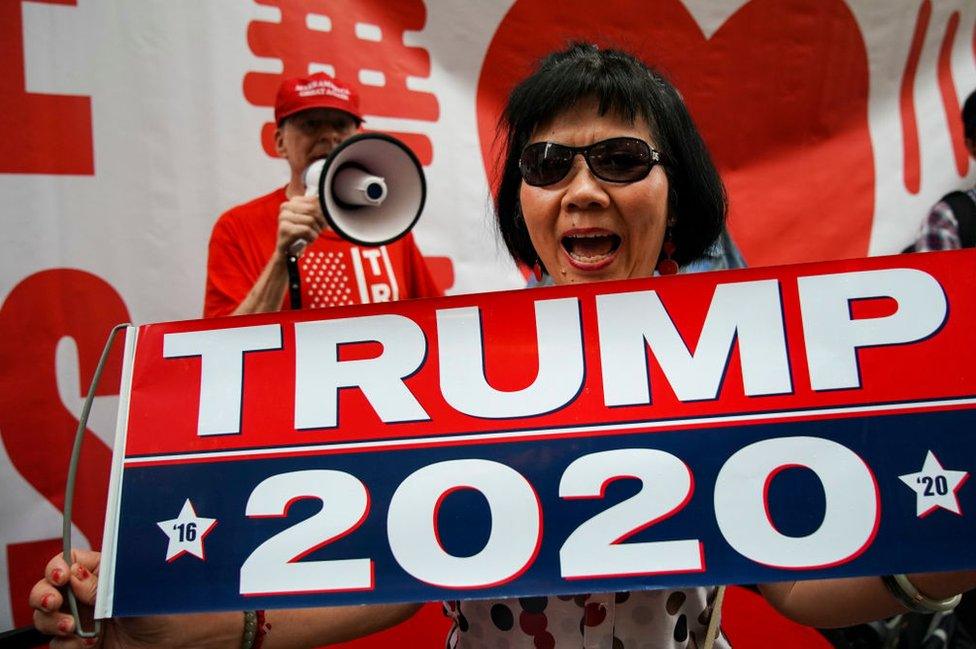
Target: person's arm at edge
829 603
293 629
939 230
288 628
233 284
315 627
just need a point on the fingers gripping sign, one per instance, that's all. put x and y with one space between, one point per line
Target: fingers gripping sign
50 603
51 615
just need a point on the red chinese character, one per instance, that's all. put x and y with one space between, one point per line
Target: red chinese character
43 134
36 428
360 42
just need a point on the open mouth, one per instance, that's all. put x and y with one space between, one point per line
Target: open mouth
588 248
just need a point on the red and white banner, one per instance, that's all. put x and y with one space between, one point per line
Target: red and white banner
129 126
411 451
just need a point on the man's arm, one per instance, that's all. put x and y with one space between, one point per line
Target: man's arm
299 219
268 291
232 287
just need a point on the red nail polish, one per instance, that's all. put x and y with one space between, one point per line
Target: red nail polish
45 602
63 625
56 575
82 573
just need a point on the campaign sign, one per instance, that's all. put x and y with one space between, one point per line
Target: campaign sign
736 427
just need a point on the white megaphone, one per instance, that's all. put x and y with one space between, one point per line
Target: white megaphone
371 188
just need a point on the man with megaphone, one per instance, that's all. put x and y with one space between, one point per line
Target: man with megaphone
247 266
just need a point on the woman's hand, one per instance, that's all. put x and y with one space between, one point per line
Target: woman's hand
52 614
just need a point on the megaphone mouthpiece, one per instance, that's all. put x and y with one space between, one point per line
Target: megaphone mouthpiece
356 187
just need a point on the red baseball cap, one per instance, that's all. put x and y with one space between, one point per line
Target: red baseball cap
317 90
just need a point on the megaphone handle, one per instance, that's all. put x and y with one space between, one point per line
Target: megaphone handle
294 281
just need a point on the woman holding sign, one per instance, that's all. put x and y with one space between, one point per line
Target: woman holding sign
605 177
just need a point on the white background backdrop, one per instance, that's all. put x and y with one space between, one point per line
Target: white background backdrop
176 142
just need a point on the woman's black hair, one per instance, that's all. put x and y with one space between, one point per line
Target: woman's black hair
625 86
969 116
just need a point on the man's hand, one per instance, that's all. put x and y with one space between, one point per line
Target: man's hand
299 218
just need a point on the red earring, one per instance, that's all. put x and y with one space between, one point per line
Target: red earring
537 270
665 264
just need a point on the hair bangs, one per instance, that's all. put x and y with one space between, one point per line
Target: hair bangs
617 87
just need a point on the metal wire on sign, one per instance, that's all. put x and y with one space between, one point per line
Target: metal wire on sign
69 492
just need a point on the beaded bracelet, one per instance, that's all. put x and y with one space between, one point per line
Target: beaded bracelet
911 598
250 629
262 628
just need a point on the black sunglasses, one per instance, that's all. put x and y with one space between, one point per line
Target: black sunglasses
618 160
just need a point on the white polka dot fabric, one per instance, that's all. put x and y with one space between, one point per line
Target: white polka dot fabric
658 619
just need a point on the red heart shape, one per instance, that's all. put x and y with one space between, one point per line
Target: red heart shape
780 93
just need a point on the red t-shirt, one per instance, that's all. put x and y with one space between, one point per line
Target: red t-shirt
333 271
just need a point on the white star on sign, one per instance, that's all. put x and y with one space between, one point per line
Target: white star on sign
186 533
935 487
